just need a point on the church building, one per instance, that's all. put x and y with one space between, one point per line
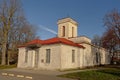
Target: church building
67 51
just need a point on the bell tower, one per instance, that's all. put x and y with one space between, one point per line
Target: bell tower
67 28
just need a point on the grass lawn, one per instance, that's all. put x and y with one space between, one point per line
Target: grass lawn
7 67
102 74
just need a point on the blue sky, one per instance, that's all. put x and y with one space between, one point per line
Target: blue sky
88 13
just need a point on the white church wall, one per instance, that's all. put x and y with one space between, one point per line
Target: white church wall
87 55
31 58
21 58
97 55
105 59
66 57
29 62
80 58
55 51
101 56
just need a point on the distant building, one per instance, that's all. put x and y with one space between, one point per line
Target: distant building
66 51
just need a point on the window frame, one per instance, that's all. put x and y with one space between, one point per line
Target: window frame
73 56
63 32
72 31
48 55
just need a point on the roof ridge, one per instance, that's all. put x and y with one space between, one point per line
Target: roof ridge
53 41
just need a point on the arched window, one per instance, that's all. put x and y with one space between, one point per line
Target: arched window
72 31
63 31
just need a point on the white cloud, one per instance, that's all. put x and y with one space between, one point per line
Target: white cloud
48 29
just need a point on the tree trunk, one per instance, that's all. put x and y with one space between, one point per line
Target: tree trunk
3 61
8 59
4 48
8 55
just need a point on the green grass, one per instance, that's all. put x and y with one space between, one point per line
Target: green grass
7 67
103 74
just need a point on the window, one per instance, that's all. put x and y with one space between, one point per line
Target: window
73 56
72 31
48 55
63 31
26 56
97 57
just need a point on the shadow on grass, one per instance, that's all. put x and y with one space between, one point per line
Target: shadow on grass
115 72
112 66
101 74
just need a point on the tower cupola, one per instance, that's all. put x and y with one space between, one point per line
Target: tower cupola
67 28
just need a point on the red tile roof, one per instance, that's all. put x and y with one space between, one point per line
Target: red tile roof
53 41
36 41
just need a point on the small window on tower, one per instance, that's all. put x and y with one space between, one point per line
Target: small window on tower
63 31
72 31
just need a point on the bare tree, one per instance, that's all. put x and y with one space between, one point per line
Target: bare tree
96 40
18 36
14 27
111 39
8 11
0 45
112 21
110 42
